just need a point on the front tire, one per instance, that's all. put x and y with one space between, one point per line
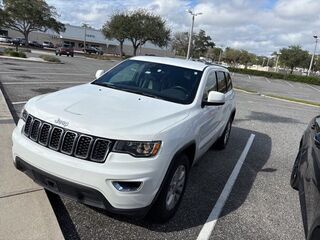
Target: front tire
172 191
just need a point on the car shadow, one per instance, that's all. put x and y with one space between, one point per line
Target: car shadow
206 182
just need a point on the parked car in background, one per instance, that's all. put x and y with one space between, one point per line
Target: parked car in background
35 44
93 50
5 39
126 142
305 178
19 41
65 49
47 44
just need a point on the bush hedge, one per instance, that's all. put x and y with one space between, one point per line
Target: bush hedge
50 58
12 53
275 75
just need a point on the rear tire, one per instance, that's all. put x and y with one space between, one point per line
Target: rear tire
222 141
172 191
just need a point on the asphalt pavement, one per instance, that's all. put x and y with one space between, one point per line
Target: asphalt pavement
261 204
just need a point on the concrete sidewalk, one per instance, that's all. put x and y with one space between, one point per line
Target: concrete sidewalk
25 211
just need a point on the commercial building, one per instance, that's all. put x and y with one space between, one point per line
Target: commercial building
77 36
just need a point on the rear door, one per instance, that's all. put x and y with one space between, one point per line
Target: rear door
225 87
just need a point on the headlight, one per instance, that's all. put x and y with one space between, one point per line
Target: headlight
138 149
24 115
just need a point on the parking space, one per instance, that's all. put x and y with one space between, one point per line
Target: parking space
277 87
261 204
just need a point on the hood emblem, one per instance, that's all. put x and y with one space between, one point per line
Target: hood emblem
61 122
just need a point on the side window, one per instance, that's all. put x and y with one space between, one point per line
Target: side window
222 86
229 81
211 85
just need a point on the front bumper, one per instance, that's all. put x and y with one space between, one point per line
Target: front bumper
87 181
72 190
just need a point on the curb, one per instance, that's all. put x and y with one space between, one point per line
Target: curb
25 210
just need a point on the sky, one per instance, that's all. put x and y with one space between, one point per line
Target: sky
259 26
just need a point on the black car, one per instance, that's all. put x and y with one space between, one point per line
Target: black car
35 44
19 41
305 178
93 50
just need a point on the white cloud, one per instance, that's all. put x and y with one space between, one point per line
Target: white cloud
261 26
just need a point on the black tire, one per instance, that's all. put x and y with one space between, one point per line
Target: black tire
56 54
222 141
59 54
163 209
72 55
294 179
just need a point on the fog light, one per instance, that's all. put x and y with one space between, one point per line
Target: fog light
126 186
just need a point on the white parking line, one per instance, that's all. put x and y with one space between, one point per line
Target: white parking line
19 103
314 88
208 227
45 73
42 82
267 80
288 83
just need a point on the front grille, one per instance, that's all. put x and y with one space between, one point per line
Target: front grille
34 132
67 142
27 126
55 138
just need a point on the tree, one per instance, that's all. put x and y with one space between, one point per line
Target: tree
144 26
214 53
245 58
117 28
202 42
180 43
293 57
29 16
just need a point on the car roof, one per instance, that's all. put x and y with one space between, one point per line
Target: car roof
196 65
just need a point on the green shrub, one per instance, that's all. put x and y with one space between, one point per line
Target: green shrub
50 58
275 75
12 53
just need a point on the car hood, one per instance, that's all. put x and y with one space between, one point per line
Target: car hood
107 112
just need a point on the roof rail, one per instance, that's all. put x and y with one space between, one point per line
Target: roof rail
208 63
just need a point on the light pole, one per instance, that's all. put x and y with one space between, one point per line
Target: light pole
314 53
85 26
277 61
191 31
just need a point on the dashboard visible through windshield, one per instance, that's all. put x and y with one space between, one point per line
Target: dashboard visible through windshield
167 82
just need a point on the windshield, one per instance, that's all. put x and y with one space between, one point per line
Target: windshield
171 83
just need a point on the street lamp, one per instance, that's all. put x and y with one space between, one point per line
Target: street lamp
314 53
277 61
85 26
191 30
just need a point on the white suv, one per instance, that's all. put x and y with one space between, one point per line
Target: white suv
126 141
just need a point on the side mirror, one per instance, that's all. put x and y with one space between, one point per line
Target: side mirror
317 140
99 73
214 99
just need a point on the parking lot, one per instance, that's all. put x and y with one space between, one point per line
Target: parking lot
261 205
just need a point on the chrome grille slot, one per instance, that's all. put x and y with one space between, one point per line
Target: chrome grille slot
44 134
55 138
34 131
68 142
100 150
27 126
83 146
